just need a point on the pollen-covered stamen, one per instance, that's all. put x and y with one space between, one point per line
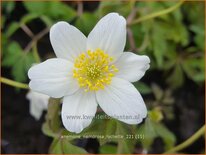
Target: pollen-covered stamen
93 70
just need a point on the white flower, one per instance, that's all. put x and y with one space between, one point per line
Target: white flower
38 103
92 70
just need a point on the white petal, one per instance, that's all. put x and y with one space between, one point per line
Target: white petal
78 110
132 67
53 77
121 100
38 103
67 41
35 111
109 35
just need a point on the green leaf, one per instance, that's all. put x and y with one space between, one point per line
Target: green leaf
4 42
121 7
152 130
61 11
158 92
167 136
55 10
12 28
142 87
159 44
63 146
176 78
108 149
8 6
125 146
18 60
148 130
86 22
196 21
194 68
3 20
28 17
178 34
199 38
48 131
109 127
35 7
71 149
55 147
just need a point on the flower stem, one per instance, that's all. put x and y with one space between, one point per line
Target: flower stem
188 142
156 14
14 83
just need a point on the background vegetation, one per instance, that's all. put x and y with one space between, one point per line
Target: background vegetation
171 33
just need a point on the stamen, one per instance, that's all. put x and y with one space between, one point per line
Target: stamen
93 70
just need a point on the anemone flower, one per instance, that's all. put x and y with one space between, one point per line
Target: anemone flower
92 70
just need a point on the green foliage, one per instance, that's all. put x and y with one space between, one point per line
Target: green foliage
166 38
108 149
8 6
125 146
152 129
63 146
54 10
142 87
122 7
18 60
86 22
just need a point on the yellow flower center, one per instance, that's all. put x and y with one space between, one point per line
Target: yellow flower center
94 70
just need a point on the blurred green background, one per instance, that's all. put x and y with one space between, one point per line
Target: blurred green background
173 88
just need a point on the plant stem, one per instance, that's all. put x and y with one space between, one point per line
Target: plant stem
14 83
156 14
188 142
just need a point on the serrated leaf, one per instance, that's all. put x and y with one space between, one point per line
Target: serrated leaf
55 10
159 44
18 60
